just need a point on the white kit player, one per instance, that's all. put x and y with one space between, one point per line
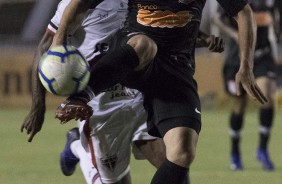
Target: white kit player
119 119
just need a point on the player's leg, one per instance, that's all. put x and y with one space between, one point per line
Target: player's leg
90 173
152 150
174 113
145 146
179 123
266 114
74 153
127 53
235 127
236 118
180 145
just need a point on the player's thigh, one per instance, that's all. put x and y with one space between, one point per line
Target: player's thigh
239 103
268 87
152 150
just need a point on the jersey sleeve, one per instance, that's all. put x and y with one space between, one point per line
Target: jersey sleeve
233 7
55 21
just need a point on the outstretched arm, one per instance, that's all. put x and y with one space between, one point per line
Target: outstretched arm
35 118
71 12
224 28
247 41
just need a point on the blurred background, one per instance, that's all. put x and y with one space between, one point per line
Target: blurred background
22 24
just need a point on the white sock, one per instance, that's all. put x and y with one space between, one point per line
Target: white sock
89 171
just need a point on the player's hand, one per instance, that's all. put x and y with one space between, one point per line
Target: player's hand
246 80
215 44
33 122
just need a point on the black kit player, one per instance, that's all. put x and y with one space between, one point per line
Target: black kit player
264 71
154 53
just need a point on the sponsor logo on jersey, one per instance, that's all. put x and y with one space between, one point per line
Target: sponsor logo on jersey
110 162
163 18
119 91
147 7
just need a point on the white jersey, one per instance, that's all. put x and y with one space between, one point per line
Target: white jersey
119 118
93 29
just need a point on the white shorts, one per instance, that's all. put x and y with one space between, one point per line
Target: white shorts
119 119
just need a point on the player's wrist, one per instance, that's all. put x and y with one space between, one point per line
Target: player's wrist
246 64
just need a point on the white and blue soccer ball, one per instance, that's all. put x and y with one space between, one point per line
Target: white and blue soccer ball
63 70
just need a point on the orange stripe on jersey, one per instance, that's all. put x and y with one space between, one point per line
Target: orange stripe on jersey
263 18
163 19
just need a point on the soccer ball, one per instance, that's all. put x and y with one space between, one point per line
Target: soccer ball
63 70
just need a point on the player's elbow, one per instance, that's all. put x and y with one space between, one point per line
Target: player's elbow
245 14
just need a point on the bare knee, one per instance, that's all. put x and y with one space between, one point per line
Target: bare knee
183 157
152 150
145 48
181 145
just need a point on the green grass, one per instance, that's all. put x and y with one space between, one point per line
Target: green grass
37 162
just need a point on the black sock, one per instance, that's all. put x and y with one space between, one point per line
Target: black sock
236 123
266 119
235 148
170 173
187 179
263 141
112 68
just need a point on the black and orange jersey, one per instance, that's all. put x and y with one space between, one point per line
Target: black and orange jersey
167 22
172 23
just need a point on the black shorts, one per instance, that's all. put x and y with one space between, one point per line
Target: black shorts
264 66
170 91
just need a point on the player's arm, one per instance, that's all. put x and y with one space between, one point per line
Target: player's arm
72 10
214 43
247 40
224 28
35 118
